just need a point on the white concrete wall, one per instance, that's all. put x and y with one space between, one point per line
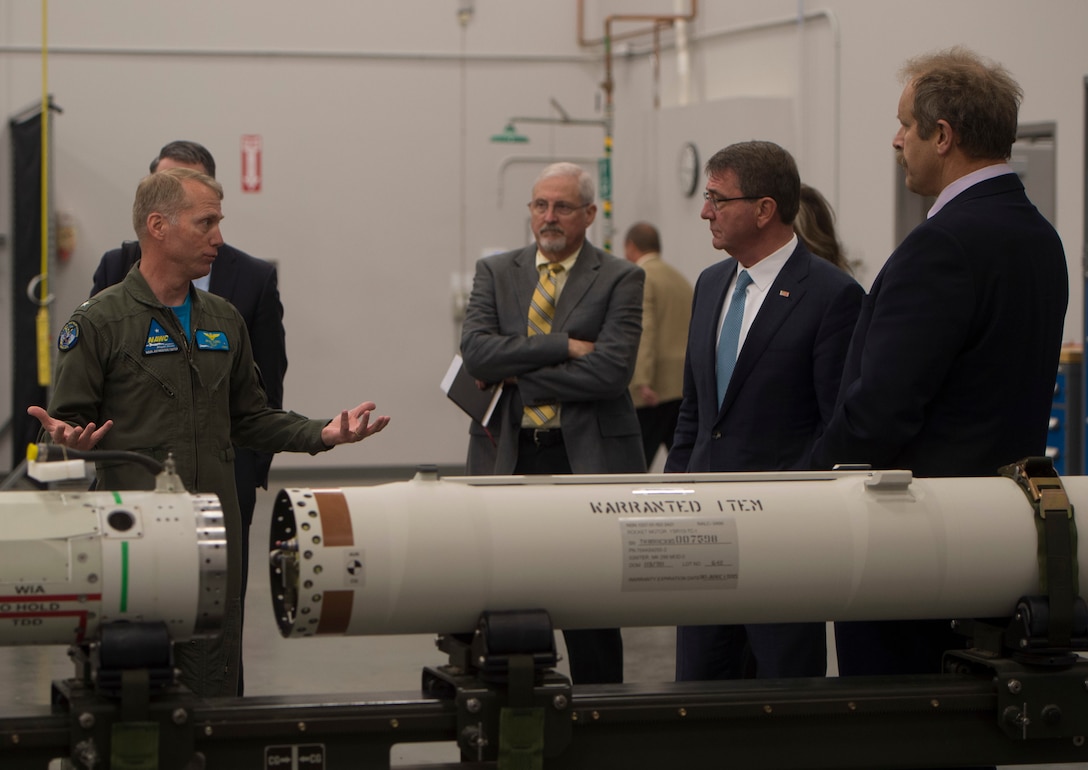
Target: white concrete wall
381 187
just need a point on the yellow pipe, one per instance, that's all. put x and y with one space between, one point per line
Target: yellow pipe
44 337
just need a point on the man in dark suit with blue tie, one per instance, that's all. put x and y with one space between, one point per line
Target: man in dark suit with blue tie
951 369
769 330
251 285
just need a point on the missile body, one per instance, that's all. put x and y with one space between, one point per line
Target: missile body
430 554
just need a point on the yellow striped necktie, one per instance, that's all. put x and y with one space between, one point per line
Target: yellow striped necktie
541 315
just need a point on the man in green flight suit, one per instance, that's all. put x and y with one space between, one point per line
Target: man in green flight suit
155 366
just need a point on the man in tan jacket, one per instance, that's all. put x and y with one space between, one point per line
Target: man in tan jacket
658 383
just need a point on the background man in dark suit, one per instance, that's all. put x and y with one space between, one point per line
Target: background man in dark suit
658 383
574 373
251 285
952 366
798 313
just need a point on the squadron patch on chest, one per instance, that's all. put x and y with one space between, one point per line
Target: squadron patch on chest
158 341
206 340
69 336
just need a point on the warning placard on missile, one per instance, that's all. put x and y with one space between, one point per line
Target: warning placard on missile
682 553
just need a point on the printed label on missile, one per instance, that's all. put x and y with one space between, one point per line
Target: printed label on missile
679 553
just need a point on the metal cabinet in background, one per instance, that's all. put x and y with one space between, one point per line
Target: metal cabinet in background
1065 439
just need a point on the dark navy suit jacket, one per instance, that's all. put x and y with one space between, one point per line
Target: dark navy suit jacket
952 366
950 372
787 374
251 285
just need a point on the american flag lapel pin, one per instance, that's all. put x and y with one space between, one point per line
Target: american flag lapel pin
783 293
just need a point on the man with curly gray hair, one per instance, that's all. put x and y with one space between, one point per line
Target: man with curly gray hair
952 366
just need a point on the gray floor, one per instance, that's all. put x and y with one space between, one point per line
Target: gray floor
331 665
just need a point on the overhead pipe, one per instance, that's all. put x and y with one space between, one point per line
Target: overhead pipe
305 55
585 42
683 62
797 20
657 21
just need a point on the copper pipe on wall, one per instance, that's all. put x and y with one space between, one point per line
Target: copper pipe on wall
658 22
667 19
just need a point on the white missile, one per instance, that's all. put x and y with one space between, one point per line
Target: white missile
70 562
430 554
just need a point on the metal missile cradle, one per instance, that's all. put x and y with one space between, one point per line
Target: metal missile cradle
1017 695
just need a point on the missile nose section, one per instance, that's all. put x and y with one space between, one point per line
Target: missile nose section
72 562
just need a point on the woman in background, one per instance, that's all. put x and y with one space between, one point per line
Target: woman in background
815 226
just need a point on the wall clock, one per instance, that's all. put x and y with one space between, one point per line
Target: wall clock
688 169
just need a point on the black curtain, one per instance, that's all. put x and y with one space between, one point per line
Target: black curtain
26 153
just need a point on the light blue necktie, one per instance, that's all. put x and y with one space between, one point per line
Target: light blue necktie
730 337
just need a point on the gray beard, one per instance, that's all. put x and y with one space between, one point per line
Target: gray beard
552 244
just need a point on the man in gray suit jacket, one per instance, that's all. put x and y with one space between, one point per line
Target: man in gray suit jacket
574 371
